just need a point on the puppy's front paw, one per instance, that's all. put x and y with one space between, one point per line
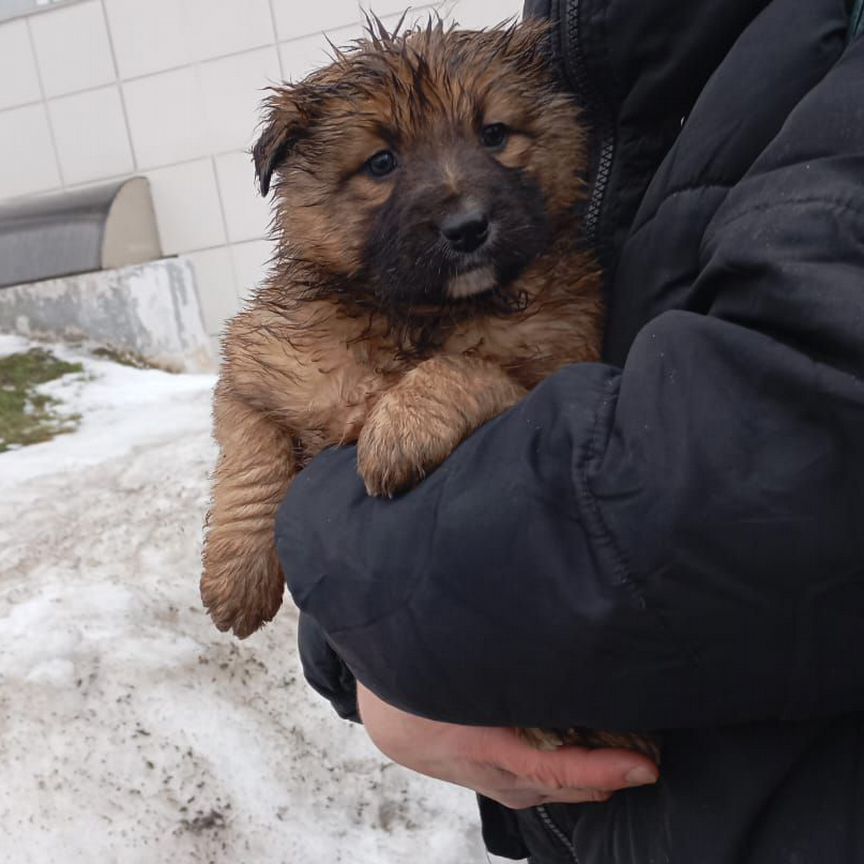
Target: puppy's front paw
396 451
415 426
240 591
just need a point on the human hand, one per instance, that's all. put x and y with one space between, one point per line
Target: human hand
496 762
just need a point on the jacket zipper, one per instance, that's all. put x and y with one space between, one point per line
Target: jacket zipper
556 832
577 73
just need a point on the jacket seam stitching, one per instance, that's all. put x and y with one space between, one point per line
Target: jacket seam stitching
603 536
766 206
620 563
715 226
673 193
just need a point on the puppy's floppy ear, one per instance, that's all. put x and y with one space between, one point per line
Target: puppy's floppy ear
284 126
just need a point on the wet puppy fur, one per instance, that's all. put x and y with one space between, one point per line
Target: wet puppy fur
429 271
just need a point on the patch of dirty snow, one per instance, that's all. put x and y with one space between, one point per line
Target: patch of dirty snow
130 729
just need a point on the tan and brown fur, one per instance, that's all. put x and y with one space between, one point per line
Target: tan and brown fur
332 351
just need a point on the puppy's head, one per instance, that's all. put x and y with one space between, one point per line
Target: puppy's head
424 168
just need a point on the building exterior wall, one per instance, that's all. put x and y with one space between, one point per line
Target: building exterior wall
149 311
104 89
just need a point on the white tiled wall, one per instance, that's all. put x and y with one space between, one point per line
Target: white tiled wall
19 79
96 146
72 48
103 89
28 159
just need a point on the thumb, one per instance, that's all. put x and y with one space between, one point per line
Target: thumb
571 767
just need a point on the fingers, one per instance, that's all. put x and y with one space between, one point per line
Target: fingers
516 800
577 796
571 768
498 763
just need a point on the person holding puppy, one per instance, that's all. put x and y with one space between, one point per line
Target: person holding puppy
668 540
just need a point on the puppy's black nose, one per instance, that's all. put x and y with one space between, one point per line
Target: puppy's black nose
466 231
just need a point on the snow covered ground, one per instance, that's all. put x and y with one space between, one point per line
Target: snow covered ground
130 730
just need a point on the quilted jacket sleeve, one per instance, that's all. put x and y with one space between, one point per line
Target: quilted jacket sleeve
673 543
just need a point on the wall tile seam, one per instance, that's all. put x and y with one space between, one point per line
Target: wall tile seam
129 79
165 166
222 213
315 32
215 248
28 104
228 246
44 102
120 80
122 95
139 172
276 39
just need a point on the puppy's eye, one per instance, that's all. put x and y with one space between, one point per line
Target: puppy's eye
494 136
381 164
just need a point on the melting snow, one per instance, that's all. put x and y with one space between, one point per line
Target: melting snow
130 730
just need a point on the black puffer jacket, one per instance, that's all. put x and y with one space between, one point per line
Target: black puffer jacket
672 540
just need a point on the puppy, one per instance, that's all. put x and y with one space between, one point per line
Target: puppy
429 271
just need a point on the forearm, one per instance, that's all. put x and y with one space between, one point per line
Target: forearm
606 558
672 543
475 598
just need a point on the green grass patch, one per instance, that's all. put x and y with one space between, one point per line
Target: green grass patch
27 416
124 358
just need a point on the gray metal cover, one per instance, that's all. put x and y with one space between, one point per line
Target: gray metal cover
77 232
